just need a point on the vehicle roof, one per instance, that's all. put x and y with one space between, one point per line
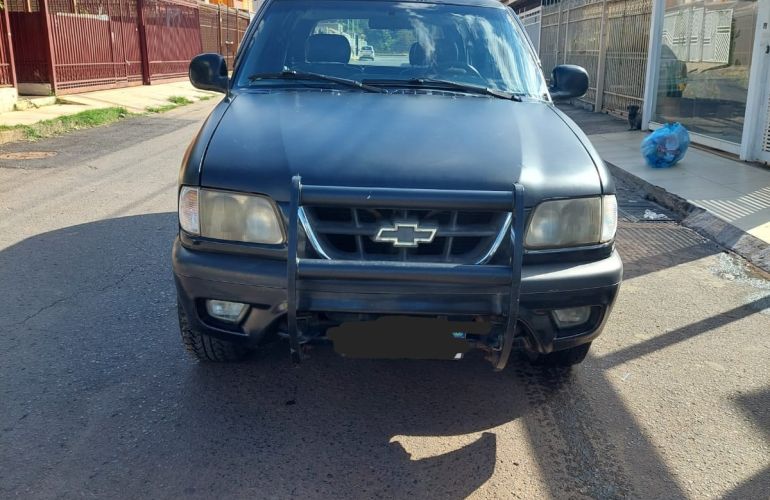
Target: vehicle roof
479 3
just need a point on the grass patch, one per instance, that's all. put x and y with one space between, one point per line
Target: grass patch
63 124
161 109
179 100
86 119
174 102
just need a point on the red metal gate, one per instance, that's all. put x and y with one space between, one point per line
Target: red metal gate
26 28
78 45
173 37
95 44
222 29
7 71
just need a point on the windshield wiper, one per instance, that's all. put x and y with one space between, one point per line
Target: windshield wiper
448 84
291 74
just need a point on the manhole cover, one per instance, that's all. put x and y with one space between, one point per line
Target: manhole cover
26 155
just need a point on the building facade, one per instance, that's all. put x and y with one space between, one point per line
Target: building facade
703 63
710 71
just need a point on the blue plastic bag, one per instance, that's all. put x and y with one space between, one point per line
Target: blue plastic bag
666 146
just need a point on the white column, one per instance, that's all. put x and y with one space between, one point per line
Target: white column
601 65
653 61
756 106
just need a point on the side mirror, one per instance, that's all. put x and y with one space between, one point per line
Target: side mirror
209 72
568 81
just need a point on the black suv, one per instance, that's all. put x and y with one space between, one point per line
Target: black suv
429 203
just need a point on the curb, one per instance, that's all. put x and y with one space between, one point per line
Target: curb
703 222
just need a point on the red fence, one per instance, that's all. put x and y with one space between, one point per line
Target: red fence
7 70
94 44
74 45
173 37
222 28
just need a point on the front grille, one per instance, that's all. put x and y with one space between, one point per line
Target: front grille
462 237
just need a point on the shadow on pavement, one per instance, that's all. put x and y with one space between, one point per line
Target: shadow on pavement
99 399
99 396
755 406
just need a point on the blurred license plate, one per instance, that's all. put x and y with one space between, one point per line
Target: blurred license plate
405 337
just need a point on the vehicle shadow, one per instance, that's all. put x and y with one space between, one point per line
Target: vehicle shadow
99 396
100 399
337 428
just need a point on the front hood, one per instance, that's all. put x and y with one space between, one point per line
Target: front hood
379 140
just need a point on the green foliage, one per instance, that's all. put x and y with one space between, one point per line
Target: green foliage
175 101
161 109
384 41
389 41
179 100
64 124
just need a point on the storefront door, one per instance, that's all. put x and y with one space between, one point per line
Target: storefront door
704 66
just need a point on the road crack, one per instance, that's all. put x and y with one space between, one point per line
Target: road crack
77 293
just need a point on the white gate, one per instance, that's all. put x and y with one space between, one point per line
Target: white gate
531 21
608 38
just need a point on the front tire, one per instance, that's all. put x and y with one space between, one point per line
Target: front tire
204 347
565 358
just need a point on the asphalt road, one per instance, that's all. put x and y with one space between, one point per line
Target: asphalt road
99 400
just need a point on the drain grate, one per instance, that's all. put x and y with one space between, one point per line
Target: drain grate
644 211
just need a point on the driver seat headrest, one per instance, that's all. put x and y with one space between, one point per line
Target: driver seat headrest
327 48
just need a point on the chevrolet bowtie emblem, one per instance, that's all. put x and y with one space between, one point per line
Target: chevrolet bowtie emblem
405 234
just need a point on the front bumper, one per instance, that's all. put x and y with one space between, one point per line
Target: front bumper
308 291
262 283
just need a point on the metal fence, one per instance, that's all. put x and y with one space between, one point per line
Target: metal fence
94 43
7 70
172 35
531 21
26 26
627 31
222 28
608 38
550 27
77 45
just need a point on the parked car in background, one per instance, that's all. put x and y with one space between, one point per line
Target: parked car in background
366 53
399 211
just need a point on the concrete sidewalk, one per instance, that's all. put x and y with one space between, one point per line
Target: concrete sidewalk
135 99
723 197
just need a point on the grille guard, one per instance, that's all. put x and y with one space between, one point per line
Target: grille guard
493 275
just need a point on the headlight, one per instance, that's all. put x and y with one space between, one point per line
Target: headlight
223 215
570 223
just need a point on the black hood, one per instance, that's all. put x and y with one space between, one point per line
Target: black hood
380 140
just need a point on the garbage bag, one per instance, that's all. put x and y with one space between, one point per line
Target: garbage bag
666 146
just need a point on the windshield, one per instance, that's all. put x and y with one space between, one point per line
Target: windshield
389 43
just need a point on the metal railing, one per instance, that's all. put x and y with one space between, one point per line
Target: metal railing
609 38
92 44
